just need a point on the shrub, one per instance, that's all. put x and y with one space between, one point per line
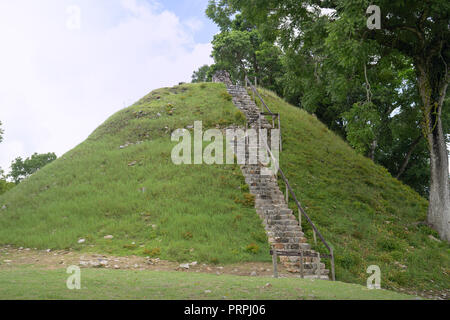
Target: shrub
387 244
357 235
155 252
348 260
239 117
249 200
399 277
187 235
244 187
214 260
259 236
253 248
226 96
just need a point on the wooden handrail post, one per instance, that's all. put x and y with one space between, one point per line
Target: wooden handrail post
333 275
299 218
259 126
302 273
275 262
318 264
315 238
279 128
287 194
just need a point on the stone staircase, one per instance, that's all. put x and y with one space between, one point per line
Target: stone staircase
282 228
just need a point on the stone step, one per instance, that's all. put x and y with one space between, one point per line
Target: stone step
289 234
283 222
310 273
291 246
283 228
286 211
306 265
326 277
278 216
296 240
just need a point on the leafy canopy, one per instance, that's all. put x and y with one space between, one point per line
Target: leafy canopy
203 74
20 169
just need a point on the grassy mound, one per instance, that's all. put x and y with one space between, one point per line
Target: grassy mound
201 212
368 217
151 206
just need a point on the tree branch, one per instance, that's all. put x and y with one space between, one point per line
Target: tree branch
408 156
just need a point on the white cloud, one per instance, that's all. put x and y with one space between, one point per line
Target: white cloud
194 24
57 85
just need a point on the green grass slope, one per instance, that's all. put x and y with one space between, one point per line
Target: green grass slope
369 217
151 206
200 212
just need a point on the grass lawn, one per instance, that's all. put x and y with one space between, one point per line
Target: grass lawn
29 283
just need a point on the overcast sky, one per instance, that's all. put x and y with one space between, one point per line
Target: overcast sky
62 74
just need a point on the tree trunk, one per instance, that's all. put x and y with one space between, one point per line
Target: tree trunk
408 156
433 86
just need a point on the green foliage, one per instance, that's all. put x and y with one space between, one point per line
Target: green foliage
240 49
244 187
21 169
387 244
248 201
253 248
5 185
226 96
203 74
232 49
362 126
155 252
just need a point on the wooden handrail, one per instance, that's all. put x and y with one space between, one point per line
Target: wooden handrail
291 191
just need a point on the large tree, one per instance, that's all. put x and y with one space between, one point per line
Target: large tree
420 31
416 29
241 50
